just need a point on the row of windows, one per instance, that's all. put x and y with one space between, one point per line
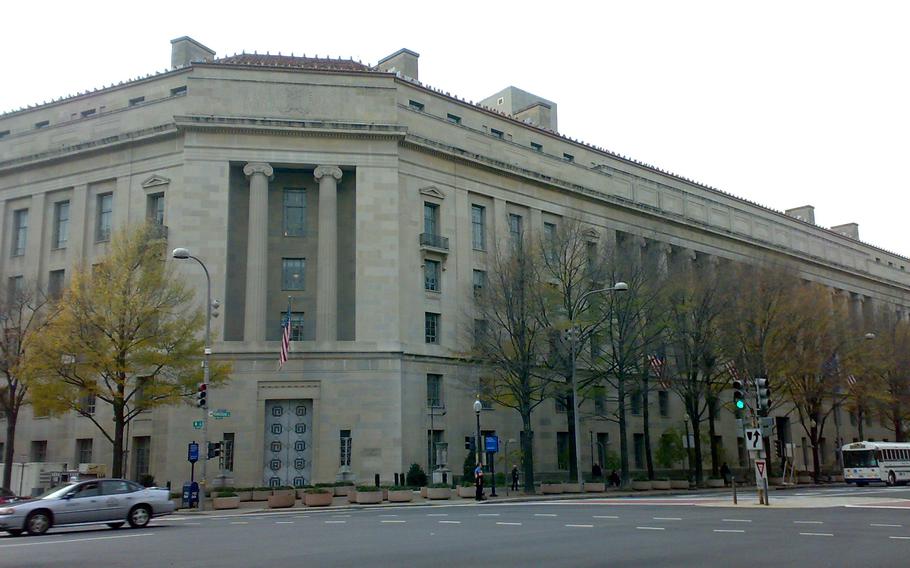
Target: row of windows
896 455
455 119
478 224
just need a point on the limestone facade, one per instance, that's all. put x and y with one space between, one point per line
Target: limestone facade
335 167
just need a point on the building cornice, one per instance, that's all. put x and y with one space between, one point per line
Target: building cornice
284 127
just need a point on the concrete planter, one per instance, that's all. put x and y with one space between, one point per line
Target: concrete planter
385 494
260 494
595 487
318 499
551 488
641 485
286 492
660 484
679 484
245 495
837 478
571 488
352 496
423 492
301 493
226 502
437 493
401 496
343 490
714 482
369 497
775 481
282 500
467 492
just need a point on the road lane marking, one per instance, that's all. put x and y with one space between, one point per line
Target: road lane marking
192 523
808 522
392 521
881 525
651 528
284 522
736 520
302 517
816 534
666 518
509 524
606 516
239 523
582 526
74 540
487 514
341 515
437 514
388 515
335 522
900 537
729 530
450 522
544 514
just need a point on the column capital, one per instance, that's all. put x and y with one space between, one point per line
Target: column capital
258 168
322 171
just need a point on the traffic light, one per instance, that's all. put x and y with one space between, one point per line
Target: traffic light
739 397
201 392
214 449
763 394
469 443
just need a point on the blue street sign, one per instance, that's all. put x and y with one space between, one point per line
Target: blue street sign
192 452
491 443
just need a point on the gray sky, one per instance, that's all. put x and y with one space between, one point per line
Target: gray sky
782 103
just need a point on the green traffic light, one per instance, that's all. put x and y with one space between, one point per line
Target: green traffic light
740 404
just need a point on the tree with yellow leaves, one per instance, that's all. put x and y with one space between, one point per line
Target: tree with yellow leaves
125 335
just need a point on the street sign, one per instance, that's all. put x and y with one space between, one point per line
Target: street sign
754 440
761 472
198 424
220 413
491 443
192 452
767 422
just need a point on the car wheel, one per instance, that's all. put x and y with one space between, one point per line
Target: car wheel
15 532
139 516
115 525
37 523
892 480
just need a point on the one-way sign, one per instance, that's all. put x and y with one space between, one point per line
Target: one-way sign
754 440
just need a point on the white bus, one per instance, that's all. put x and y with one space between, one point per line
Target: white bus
865 462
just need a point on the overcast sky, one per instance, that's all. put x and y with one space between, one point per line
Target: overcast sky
782 103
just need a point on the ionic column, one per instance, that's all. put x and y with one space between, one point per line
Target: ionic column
327 254
663 260
259 174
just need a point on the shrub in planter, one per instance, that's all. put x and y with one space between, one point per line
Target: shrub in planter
368 495
679 484
282 500
571 488
301 491
244 493
466 490
660 483
343 488
641 483
285 490
415 477
318 497
226 499
438 491
400 494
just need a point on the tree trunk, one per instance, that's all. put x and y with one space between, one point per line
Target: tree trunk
117 468
897 423
9 449
696 435
813 439
570 426
712 432
859 424
527 452
623 435
646 428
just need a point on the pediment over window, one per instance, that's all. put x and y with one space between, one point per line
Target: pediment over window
591 234
155 181
432 191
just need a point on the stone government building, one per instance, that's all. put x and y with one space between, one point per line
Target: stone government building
373 201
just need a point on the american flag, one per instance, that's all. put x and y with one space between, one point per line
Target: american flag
657 367
851 380
285 337
730 367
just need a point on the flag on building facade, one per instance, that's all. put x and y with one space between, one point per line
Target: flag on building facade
285 337
730 367
851 380
657 367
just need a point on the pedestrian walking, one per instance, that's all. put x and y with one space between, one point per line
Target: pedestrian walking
614 479
596 471
725 473
514 478
478 482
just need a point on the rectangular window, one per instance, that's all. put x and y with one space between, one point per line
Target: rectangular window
15 288
345 448
431 218
228 451
431 275
480 331
294 212
84 450
20 231
805 453
486 387
38 451
591 252
297 321
639 443
663 403
453 118
55 283
88 113
603 444
536 147
852 419
137 100
515 227
600 401
549 241
434 390
479 281
292 273
105 216
87 404
568 157
562 403
155 208
42 124
61 224
431 328
635 402
416 105
438 448
178 91
478 227
4 133
562 451
142 451
496 133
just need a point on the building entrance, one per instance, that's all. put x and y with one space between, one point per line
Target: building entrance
288 438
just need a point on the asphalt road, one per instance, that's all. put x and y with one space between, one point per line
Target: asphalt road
673 531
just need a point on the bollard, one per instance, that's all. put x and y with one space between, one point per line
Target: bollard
733 481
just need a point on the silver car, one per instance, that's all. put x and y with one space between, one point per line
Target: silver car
110 501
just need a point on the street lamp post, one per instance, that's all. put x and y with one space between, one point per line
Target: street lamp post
688 449
573 348
478 406
837 434
184 254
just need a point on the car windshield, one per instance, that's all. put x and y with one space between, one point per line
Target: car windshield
56 492
859 458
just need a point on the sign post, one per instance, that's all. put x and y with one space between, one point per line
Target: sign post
491 445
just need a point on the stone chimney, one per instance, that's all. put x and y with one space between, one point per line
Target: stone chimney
524 106
403 61
185 51
805 213
848 230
